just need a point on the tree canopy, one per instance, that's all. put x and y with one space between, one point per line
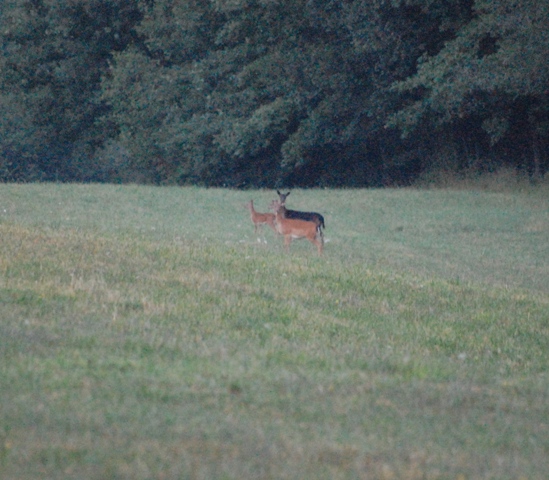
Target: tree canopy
263 93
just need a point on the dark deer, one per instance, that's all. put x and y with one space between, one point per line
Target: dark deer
308 216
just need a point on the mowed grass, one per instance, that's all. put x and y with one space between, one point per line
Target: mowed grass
146 333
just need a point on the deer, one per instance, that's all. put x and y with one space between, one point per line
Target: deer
260 219
294 228
309 216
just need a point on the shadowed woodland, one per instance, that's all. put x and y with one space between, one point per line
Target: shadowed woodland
266 93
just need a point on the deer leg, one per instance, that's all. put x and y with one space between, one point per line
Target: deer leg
287 241
318 244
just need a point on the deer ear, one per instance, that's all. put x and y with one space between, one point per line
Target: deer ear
278 192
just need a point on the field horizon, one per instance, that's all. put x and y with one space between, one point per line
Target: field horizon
147 333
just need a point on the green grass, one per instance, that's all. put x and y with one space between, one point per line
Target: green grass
146 333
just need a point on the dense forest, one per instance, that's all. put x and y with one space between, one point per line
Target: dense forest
263 93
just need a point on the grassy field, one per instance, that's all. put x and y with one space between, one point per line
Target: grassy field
146 333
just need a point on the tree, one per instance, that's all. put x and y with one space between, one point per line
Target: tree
493 74
247 92
52 57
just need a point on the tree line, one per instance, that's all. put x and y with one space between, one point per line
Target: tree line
261 93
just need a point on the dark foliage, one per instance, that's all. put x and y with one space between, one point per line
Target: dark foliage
263 93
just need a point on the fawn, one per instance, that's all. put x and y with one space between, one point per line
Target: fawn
260 219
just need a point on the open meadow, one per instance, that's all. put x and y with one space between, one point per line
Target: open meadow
146 333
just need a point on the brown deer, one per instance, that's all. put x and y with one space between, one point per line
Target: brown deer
292 228
260 219
309 216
